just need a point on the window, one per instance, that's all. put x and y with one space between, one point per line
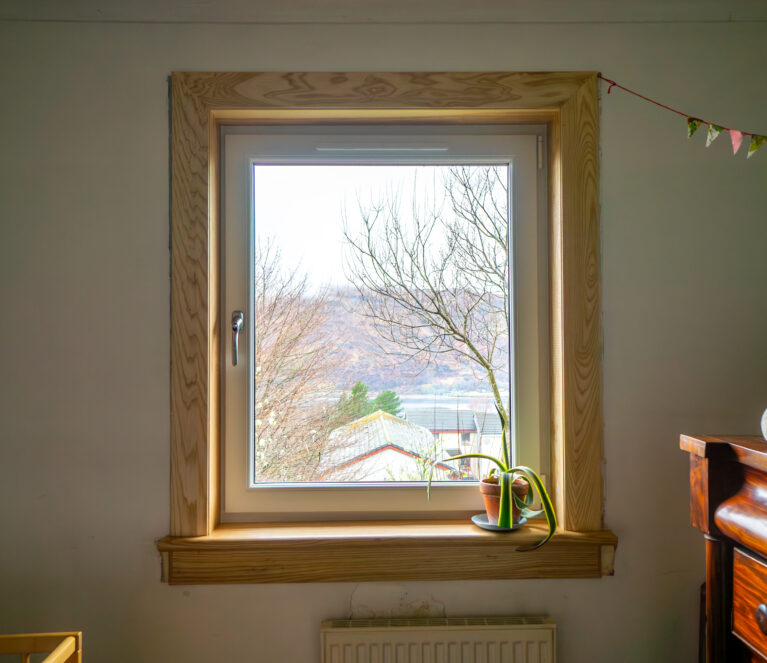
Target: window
373 272
202 104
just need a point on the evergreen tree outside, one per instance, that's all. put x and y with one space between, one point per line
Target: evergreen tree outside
354 405
357 404
387 401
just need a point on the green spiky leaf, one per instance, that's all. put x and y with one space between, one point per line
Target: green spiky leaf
507 476
504 437
502 467
548 507
529 513
505 512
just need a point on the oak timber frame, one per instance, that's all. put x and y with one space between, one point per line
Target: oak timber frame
566 102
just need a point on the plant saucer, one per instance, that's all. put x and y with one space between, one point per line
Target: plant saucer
480 520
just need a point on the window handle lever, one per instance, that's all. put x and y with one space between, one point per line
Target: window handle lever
238 318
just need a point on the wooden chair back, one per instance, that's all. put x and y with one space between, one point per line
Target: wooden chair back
60 647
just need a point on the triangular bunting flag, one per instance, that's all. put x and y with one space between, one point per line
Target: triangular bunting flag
692 126
756 143
737 138
713 131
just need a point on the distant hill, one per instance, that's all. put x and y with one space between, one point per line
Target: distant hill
362 358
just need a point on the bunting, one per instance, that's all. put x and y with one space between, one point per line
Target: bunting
694 123
756 143
692 126
737 138
713 133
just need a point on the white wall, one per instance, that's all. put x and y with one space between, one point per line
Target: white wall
84 454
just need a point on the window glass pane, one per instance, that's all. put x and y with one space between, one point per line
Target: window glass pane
381 298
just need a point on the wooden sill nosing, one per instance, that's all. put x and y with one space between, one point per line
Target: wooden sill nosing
380 551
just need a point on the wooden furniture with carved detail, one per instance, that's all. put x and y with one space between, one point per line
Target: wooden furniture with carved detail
728 503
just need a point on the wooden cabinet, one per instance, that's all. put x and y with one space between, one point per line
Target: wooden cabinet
728 503
749 600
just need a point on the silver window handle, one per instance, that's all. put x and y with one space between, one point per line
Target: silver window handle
238 319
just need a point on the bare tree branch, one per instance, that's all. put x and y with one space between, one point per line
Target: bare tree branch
437 281
293 363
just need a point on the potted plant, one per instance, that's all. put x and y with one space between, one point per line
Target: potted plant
506 490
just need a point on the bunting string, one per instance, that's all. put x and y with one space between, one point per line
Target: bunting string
694 123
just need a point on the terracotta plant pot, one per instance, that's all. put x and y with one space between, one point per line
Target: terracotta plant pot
491 494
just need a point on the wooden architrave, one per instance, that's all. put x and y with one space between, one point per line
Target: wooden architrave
566 102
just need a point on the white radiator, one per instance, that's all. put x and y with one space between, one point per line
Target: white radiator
439 640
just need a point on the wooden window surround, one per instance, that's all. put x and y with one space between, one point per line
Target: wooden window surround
202 550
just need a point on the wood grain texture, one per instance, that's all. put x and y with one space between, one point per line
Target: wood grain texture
350 90
698 445
580 369
235 535
567 102
556 342
64 652
213 512
718 598
699 511
714 478
608 560
386 551
749 450
743 517
416 116
191 393
749 592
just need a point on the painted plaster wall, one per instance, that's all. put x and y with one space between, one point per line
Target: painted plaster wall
84 349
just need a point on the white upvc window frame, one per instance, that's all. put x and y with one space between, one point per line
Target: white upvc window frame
243 146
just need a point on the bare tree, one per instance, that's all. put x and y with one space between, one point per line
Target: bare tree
293 362
436 281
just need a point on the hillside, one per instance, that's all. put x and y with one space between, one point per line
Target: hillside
362 357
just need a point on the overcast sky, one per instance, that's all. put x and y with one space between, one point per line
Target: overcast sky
302 208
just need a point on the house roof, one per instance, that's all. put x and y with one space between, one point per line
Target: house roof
440 419
376 431
389 447
488 423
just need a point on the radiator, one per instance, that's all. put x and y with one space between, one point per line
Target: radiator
439 640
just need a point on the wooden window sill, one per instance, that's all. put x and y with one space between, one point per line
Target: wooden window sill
380 551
